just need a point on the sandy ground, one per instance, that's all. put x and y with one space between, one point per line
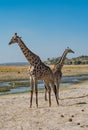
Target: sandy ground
72 113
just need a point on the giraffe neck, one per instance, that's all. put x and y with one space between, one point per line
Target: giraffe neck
60 63
32 58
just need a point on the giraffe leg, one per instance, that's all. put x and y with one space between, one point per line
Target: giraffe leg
32 87
36 93
55 92
48 88
58 85
45 93
49 91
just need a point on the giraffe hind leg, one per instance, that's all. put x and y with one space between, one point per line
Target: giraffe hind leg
45 93
58 91
36 93
55 91
49 91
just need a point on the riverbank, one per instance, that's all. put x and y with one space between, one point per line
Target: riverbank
72 113
20 86
12 78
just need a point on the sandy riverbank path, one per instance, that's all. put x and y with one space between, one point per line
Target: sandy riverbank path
72 113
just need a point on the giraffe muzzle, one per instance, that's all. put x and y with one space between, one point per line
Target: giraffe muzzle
9 43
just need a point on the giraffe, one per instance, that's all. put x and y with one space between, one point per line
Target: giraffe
57 71
39 70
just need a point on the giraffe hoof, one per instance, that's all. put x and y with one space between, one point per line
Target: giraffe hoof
58 103
30 106
37 105
46 99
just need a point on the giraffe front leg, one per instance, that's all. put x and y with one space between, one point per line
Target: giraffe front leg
31 98
36 92
32 87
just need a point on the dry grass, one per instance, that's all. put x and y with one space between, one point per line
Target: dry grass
13 69
20 72
13 72
72 70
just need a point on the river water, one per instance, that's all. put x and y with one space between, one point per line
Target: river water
66 81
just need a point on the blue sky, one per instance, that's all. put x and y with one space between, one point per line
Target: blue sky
46 26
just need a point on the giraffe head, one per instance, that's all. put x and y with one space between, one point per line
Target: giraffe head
14 39
69 50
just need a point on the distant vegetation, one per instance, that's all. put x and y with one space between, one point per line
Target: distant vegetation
81 60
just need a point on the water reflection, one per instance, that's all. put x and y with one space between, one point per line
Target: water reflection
4 84
74 79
